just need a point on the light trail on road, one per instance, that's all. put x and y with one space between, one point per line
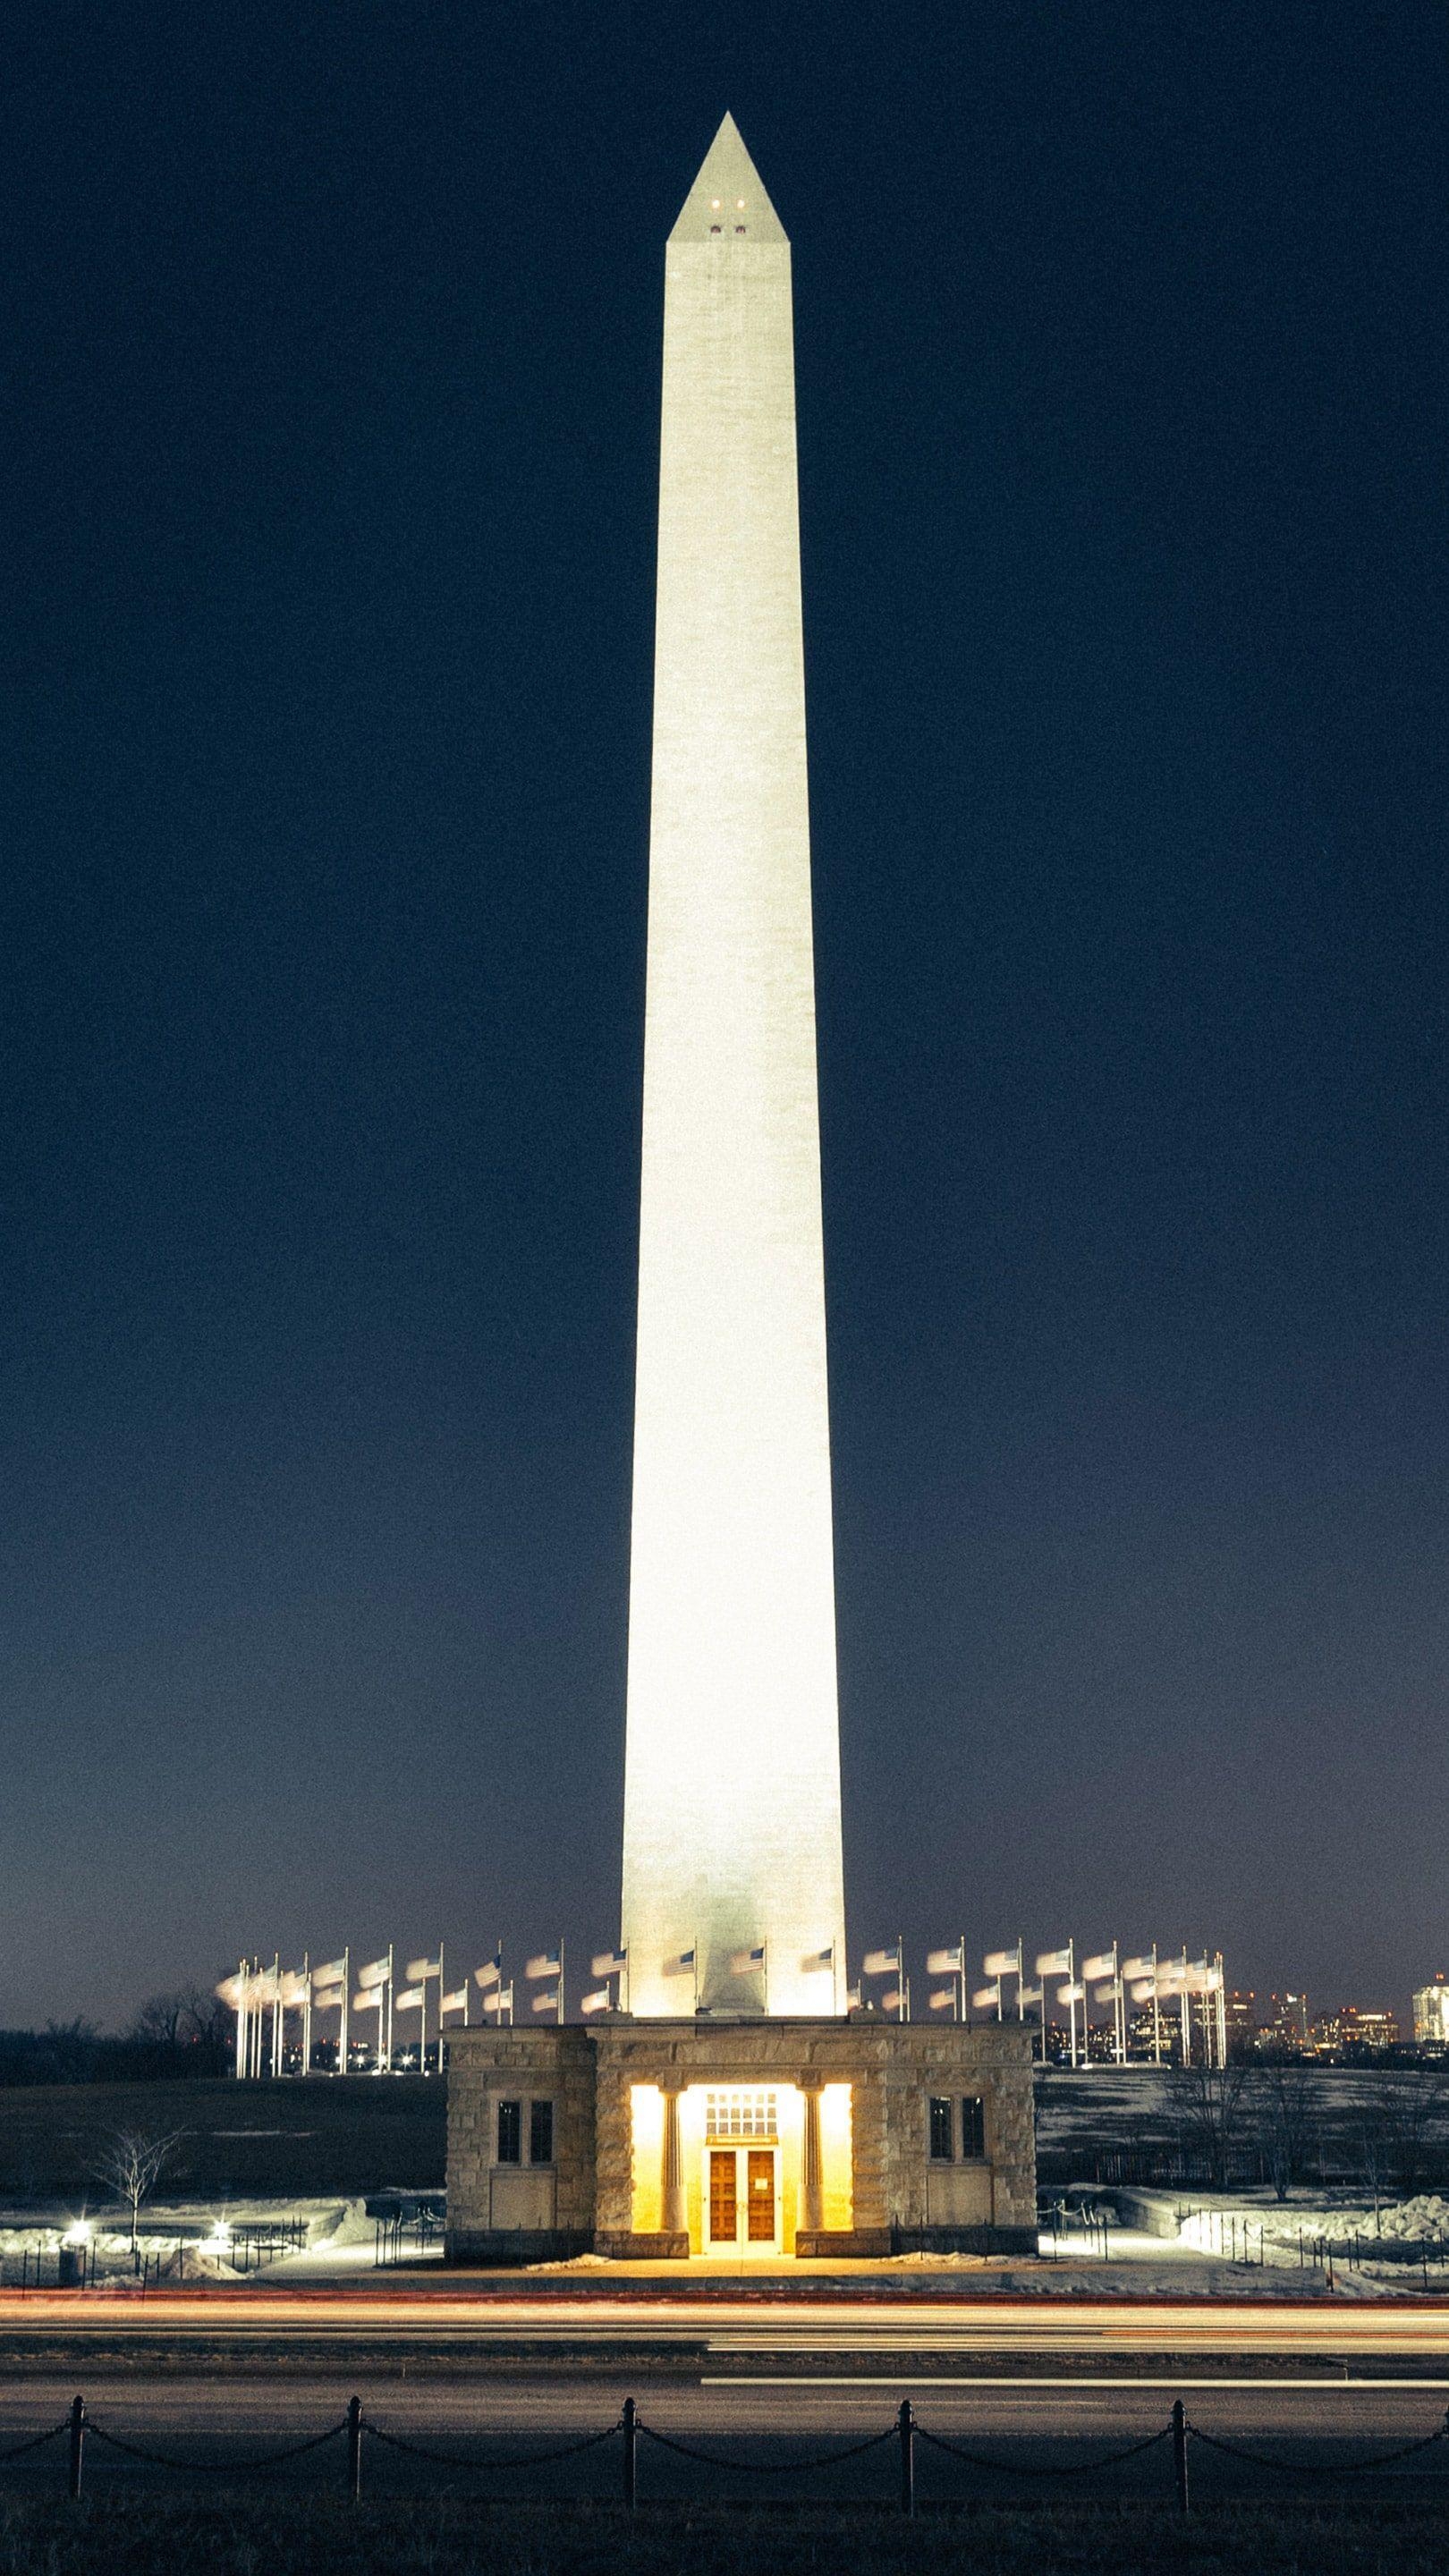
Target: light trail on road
1230 2329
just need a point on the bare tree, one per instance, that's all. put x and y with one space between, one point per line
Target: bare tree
212 2021
160 2019
1402 2119
188 2017
1285 2099
129 2163
1210 2102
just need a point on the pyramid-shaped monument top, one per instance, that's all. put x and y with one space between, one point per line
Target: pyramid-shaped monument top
728 198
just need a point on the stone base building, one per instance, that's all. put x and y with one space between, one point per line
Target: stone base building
653 2138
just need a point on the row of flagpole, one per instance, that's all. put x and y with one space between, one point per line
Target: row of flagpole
262 1997
1171 1986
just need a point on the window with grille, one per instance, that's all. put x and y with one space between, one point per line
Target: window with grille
540 2133
942 2149
510 2133
740 2114
973 2125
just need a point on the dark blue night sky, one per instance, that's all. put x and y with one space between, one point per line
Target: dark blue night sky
331 338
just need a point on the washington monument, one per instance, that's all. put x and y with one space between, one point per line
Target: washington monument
732 1897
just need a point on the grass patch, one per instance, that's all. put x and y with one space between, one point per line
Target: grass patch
241 2536
307 2136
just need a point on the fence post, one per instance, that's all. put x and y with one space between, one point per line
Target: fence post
1179 2451
354 2448
77 2442
630 2427
906 2427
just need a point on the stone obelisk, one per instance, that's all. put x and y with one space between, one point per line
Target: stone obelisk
733 1895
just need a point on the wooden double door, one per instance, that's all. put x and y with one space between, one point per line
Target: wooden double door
744 2197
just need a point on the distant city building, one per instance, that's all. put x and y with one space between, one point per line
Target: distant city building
1353 2028
1285 2023
1240 2019
1431 2012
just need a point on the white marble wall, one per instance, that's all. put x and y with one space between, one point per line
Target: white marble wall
732 1799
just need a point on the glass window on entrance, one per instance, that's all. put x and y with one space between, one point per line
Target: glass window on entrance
942 2123
973 2126
510 2133
540 2133
739 2112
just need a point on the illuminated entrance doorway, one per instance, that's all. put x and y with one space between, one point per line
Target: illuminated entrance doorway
741 2171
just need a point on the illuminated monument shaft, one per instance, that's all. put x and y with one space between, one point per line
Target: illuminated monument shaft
732 1778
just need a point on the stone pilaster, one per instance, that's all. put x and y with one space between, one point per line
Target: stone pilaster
812 2188
673 2200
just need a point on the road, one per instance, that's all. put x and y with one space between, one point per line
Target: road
1307 2428
480 2317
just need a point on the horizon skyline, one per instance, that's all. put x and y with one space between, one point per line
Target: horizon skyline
579 1979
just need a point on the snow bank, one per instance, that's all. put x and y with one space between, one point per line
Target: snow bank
1413 2222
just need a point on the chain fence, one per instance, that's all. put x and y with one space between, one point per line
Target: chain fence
1045 2468
356 2429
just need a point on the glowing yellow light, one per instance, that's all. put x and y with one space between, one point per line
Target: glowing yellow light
835 2154
714 201
739 201
646 2104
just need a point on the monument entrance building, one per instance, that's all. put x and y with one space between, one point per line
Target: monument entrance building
735 2105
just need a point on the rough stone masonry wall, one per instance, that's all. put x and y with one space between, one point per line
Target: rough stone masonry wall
484 2066
892 2069
923 2058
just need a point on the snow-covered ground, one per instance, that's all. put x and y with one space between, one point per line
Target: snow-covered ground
1097 2112
194 2241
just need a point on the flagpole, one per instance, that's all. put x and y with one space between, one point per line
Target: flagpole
1121 2007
